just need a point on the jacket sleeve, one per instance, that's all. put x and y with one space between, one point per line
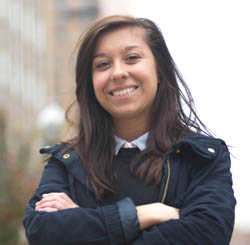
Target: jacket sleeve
207 212
102 225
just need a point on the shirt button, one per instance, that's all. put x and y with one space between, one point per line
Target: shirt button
210 149
66 156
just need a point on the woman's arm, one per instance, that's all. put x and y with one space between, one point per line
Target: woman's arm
154 214
207 213
148 215
74 225
55 201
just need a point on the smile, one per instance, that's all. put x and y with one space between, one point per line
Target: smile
123 91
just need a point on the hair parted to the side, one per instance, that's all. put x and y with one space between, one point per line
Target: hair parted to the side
95 137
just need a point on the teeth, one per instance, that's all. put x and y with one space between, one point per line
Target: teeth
124 91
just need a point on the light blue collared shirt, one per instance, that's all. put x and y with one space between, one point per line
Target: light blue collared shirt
140 142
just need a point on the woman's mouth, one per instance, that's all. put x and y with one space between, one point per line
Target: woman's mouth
123 92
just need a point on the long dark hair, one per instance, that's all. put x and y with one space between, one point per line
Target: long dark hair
95 137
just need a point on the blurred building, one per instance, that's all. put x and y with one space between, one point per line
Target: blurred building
23 76
23 94
68 20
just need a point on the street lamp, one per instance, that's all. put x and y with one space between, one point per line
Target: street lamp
50 121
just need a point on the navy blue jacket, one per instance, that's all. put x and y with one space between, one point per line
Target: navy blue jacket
196 179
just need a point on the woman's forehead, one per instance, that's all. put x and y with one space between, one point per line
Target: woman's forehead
130 37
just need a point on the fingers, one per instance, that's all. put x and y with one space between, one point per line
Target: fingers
47 210
49 203
54 201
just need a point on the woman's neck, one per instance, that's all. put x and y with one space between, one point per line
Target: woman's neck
130 129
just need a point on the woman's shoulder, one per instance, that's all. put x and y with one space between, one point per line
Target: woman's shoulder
62 152
203 145
52 149
58 150
66 157
203 155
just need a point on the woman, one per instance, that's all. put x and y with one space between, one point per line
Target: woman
139 170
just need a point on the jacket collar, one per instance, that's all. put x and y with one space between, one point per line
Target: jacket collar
202 145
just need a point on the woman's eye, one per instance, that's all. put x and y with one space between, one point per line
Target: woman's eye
102 65
132 58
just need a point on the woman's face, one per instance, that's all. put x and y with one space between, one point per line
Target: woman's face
124 74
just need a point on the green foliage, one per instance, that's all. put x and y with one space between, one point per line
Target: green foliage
16 187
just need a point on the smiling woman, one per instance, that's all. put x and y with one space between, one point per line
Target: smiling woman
139 171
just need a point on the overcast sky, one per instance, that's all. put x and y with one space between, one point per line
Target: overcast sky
210 42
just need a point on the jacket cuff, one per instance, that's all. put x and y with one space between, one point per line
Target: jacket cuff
113 224
129 219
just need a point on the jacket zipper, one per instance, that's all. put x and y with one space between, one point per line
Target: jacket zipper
167 182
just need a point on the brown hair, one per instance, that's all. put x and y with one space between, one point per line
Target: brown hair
95 139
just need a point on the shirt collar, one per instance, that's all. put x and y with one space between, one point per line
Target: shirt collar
140 142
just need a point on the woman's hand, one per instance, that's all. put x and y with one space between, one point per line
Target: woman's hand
155 213
52 202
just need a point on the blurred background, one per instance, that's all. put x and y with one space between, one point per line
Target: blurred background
209 40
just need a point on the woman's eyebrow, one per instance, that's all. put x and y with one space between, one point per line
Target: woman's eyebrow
99 55
128 48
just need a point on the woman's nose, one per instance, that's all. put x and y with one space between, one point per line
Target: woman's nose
118 72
